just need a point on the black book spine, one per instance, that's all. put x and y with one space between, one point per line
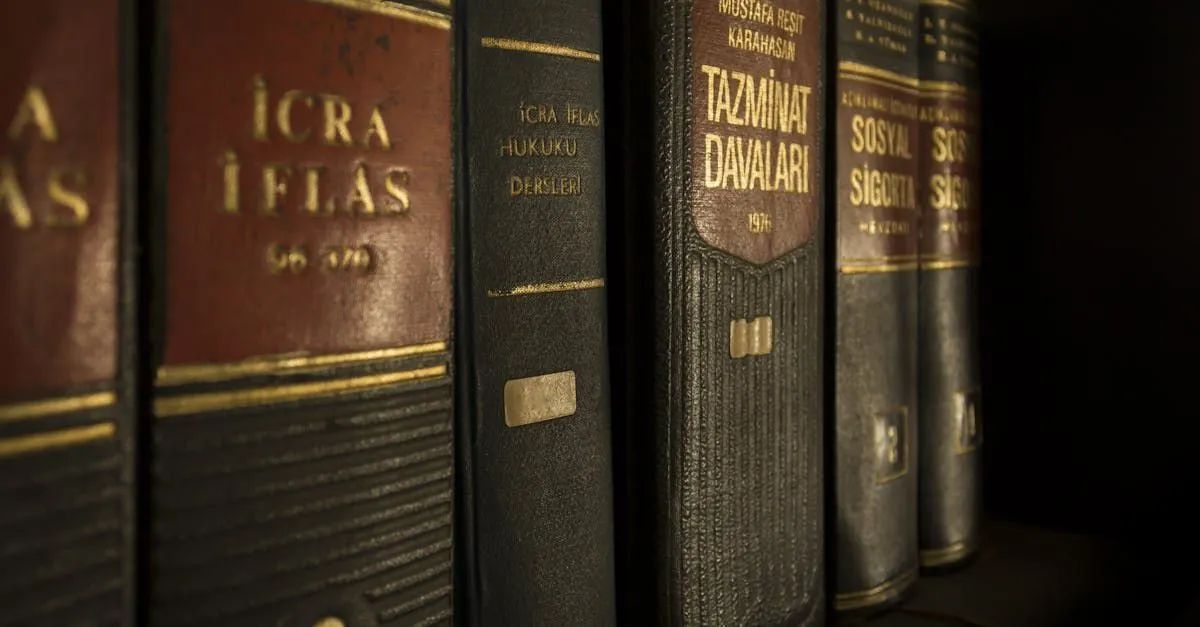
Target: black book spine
949 415
722 479
300 467
68 301
874 302
536 473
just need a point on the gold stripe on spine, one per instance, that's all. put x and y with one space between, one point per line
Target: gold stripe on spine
284 364
961 5
538 399
879 267
947 264
253 397
547 288
404 12
538 47
885 591
51 406
21 445
850 69
944 88
931 558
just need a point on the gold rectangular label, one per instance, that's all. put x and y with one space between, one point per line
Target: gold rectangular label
540 398
750 337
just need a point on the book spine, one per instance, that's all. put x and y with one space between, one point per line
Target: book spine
738 304
949 415
876 228
301 466
537 468
67 297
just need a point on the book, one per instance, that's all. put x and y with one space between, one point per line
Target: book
949 415
874 303
300 467
535 473
67 317
721 467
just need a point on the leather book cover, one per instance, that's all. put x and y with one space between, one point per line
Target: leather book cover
535 473
67 332
950 432
875 230
720 299
301 458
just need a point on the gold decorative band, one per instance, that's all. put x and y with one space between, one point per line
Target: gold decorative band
56 439
851 69
404 12
944 88
961 5
253 397
879 267
538 47
546 288
285 364
884 592
947 555
51 406
947 264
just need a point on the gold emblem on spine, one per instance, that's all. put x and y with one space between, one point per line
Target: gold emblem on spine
750 337
540 398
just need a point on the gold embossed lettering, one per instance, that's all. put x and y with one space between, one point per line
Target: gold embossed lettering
229 177
35 109
360 193
337 117
260 108
377 129
59 189
396 183
283 114
12 197
274 186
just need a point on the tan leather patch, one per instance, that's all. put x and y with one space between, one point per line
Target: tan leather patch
58 195
308 183
757 102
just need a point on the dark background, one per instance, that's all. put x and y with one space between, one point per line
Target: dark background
1090 300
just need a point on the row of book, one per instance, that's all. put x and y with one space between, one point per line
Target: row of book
359 312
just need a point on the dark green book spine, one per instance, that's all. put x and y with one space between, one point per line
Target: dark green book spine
874 303
722 495
949 416
536 464
68 298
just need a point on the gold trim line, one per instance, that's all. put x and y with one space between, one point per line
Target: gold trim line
56 439
947 555
851 67
944 87
212 401
547 288
885 591
879 267
947 265
51 406
404 12
953 4
538 47
284 364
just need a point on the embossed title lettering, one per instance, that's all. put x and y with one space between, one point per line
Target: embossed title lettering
34 122
872 187
741 162
296 116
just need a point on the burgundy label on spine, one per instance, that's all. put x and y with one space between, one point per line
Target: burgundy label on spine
878 210
757 98
58 195
308 182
